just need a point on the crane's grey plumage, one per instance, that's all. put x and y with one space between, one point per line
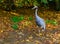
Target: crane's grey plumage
39 21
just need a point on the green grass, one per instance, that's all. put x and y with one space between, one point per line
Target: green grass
16 19
30 18
15 26
21 18
53 22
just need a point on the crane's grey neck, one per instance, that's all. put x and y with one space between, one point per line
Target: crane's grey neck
36 11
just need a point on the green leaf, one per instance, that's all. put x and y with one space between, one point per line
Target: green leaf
21 18
53 22
44 1
30 18
35 3
15 19
47 21
50 0
15 26
0 1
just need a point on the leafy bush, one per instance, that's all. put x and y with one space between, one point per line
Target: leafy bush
44 1
0 1
7 4
20 3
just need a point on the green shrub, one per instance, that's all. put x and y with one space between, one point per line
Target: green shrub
0 1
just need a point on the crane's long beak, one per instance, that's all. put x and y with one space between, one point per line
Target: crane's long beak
35 7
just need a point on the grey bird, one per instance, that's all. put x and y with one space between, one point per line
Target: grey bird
39 21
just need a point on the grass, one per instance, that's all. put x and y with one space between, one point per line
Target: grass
15 26
53 22
21 18
30 18
16 19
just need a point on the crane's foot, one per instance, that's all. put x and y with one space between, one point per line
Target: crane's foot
39 31
43 30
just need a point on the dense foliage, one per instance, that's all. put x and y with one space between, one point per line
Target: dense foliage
10 4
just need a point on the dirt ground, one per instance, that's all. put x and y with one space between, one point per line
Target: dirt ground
29 33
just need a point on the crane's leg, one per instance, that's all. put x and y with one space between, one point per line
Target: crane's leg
38 29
